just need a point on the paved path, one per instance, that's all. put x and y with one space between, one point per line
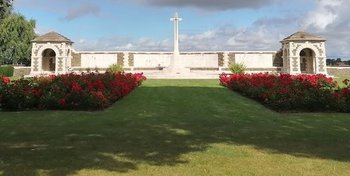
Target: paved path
187 75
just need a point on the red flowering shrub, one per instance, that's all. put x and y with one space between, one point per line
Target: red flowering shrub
68 92
20 94
3 82
341 97
287 92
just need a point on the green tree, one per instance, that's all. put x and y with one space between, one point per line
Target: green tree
5 8
347 62
330 62
278 59
16 34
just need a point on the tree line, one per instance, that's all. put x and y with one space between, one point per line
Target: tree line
338 62
16 33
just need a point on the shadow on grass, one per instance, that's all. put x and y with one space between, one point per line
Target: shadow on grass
156 126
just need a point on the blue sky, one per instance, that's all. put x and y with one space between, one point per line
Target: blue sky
207 24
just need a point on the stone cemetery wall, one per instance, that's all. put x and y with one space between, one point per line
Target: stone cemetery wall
151 60
98 60
200 61
209 61
21 71
255 60
339 71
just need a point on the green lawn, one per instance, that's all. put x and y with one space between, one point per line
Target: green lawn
175 127
340 80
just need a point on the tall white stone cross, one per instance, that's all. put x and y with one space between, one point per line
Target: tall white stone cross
176 20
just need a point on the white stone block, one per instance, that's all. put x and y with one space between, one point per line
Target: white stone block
260 60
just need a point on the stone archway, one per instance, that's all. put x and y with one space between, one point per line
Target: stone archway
304 53
307 61
49 60
50 54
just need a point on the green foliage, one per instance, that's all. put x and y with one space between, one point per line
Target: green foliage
337 62
115 68
67 92
237 69
16 34
284 92
19 96
176 127
278 59
6 71
5 8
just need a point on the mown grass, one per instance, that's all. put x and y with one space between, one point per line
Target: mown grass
340 80
175 127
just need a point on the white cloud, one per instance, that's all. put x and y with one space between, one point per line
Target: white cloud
123 44
329 19
324 15
218 39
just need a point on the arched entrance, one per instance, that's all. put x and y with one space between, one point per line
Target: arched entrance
307 61
49 60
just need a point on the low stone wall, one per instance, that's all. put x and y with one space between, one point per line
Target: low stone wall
88 70
339 71
259 70
94 70
204 69
21 71
147 68
210 59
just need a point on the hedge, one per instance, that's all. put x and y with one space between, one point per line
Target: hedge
6 70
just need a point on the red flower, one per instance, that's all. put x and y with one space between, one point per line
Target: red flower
76 87
90 86
284 90
336 95
101 97
70 91
139 77
36 92
6 80
99 84
345 91
62 102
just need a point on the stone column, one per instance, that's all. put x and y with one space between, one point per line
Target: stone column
225 60
176 20
125 60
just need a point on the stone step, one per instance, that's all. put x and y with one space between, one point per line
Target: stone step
182 76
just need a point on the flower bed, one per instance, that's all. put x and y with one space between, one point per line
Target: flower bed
67 92
286 92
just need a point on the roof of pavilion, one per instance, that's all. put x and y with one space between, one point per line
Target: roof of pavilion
303 36
52 37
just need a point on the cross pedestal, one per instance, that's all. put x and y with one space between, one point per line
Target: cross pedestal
176 63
